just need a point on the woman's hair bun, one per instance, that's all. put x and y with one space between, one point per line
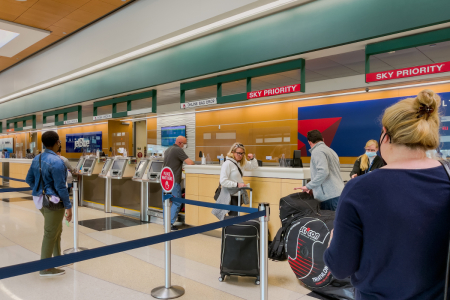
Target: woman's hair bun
429 99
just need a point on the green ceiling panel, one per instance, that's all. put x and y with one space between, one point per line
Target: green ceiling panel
317 25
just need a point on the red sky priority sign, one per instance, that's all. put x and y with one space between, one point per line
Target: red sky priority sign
274 91
167 179
409 72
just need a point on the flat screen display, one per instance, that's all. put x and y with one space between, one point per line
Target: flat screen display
140 167
156 167
118 164
88 163
170 134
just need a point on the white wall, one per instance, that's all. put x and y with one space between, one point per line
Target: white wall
139 23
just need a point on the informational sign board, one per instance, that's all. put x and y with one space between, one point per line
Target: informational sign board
7 143
409 72
167 179
89 141
199 103
274 91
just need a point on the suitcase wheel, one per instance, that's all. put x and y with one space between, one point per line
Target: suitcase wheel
257 281
222 278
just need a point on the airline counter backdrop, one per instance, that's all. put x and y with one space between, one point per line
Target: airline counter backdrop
346 127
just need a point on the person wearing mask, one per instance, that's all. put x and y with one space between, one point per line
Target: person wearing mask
367 162
391 230
326 181
174 157
231 177
70 170
53 173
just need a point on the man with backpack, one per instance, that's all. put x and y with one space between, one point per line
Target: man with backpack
326 181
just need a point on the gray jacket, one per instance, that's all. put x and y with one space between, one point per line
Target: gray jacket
326 181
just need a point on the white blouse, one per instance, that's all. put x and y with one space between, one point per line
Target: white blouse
229 174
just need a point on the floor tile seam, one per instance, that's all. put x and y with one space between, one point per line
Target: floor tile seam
190 260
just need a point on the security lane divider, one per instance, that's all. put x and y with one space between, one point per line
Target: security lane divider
10 178
8 190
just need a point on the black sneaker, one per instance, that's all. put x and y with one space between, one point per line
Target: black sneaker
173 228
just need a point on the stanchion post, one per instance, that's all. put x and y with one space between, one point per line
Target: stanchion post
108 183
76 239
168 291
264 245
144 201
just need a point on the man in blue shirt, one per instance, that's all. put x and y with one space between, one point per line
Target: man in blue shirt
54 174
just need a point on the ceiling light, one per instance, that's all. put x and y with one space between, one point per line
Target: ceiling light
151 48
390 52
6 37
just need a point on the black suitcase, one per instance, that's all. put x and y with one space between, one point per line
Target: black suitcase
240 249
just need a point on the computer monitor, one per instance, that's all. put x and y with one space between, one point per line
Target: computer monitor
297 159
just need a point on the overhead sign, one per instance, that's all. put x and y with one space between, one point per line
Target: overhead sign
89 141
73 121
10 130
102 117
274 91
167 179
199 103
409 72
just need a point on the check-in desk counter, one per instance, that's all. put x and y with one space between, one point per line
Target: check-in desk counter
269 184
14 168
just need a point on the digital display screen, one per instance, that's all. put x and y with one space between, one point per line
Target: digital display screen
156 167
118 164
140 167
170 134
88 163
107 165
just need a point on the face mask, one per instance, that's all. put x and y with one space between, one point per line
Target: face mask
371 154
184 146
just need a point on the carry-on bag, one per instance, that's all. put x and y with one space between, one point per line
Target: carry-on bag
240 247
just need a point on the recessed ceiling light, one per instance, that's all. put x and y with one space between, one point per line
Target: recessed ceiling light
6 37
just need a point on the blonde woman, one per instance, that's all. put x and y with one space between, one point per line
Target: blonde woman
392 226
231 175
367 162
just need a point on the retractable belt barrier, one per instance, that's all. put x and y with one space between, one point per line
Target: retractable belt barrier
10 178
8 190
48 263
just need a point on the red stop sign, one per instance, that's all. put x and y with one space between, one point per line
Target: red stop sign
167 179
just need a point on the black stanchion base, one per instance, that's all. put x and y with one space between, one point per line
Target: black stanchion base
167 293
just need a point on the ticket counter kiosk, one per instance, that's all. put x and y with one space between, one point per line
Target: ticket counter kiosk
88 166
118 167
80 179
154 171
104 173
140 176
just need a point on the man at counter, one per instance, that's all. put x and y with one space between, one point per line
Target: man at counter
5 153
326 181
174 157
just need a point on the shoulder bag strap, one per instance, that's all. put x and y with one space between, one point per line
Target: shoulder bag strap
239 169
445 164
40 176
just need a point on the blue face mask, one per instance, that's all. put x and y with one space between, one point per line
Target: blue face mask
371 154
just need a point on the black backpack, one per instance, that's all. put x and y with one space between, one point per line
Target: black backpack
292 207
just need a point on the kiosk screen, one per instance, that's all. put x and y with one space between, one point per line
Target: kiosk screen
156 167
118 164
88 163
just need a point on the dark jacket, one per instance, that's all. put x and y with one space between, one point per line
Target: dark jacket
377 163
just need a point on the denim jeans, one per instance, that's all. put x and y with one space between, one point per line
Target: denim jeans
175 208
330 204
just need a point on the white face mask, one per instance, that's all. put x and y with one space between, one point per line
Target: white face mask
184 146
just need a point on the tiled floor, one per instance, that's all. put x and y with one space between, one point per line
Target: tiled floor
128 275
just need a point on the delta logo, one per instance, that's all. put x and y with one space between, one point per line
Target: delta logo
81 143
327 128
311 234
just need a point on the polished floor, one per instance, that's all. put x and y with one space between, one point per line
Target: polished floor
128 275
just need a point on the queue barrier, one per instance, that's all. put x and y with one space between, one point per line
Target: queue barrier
8 190
167 291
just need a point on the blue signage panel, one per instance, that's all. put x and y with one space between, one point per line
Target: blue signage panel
346 127
89 141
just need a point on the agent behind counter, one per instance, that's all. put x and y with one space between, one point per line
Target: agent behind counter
174 157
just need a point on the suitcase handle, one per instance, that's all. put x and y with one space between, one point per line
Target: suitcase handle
239 196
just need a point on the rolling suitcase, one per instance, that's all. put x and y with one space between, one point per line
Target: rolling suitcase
240 248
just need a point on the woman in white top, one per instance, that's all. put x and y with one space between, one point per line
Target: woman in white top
233 167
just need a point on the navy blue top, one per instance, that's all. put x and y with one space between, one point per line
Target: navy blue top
391 234
54 175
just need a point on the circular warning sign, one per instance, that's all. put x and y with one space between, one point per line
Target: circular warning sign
140 154
167 179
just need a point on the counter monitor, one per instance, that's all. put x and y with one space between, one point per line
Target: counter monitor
140 169
118 168
88 166
156 167
154 171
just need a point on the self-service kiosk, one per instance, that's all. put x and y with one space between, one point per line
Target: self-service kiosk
139 176
88 166
80 180
118 167
104 173
154 171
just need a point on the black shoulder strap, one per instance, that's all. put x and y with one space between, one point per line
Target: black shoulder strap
40 176
239 169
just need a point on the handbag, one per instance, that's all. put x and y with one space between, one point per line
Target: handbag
46 198
219 188
446 166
